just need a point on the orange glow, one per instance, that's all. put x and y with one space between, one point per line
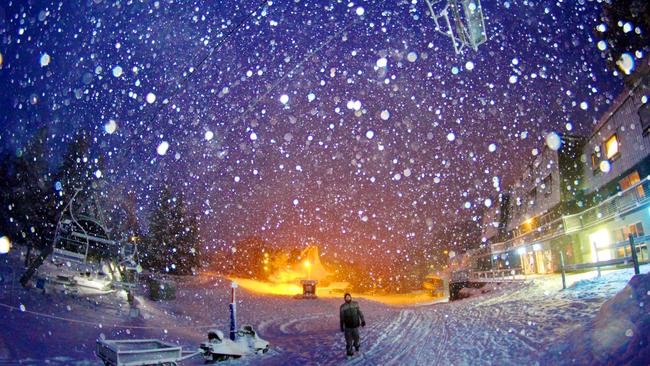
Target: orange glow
268 288
336 290
310 268
286 282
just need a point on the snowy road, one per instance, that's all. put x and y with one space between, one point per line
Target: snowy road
515 324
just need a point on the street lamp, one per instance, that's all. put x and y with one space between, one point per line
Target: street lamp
308 266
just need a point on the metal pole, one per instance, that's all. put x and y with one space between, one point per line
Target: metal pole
635 259
597 259
233 312
562 269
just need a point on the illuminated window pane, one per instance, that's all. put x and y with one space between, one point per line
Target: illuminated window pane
594 161
611 146
639 229
631 180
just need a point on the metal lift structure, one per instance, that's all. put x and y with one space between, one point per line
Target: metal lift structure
82 245
460 20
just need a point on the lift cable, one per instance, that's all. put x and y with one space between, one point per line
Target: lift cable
193 69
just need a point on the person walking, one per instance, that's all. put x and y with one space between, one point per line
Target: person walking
351 318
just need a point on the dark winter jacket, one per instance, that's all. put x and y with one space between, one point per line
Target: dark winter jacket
351 315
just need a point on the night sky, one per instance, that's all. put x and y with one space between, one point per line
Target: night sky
294 129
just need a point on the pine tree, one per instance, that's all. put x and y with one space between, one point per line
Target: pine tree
32 194
77 169
157 244
172 243
8 184
188 246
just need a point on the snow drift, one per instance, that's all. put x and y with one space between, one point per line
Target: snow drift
620 332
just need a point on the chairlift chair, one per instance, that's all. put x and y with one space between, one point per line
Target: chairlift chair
79 237
460 20
82 243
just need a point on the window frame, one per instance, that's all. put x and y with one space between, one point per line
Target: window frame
548 185
617 154
595 164
644 111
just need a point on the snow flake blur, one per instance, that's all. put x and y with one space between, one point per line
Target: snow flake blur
339 106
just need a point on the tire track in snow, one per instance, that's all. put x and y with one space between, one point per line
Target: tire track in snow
290 326
381 337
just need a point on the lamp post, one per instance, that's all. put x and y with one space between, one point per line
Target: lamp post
308 266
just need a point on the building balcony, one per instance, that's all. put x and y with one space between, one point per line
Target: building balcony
619 204
637 195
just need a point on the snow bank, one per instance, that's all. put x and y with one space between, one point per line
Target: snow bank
620 332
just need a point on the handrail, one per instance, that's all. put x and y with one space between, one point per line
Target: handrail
575 222
610 207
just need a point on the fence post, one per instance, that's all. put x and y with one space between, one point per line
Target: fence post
562 269
635 259
597 259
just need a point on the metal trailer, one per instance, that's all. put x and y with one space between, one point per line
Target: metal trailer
140 352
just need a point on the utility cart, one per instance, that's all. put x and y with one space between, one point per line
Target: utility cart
140 352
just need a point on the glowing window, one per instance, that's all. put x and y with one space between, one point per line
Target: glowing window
594 161
611 146
600 243
630 180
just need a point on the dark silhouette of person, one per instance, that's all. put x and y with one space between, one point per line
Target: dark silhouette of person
351 318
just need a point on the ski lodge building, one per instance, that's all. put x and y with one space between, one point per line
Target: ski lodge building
582 199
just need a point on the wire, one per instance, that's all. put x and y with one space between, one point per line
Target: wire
298 65
197 66
97 324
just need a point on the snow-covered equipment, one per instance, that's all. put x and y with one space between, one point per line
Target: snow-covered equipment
308 290
161 289
437 286
81 236
219 348
140 352
460 20
83 251
244 341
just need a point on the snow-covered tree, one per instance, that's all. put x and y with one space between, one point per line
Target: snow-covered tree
172 243
32 193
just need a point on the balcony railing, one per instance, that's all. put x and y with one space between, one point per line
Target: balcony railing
499 275
635 196
623 201
549 230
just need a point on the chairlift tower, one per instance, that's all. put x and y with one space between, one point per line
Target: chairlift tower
460 20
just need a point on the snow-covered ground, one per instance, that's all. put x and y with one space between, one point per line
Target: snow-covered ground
523 323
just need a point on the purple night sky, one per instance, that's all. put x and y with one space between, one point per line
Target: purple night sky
362 157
